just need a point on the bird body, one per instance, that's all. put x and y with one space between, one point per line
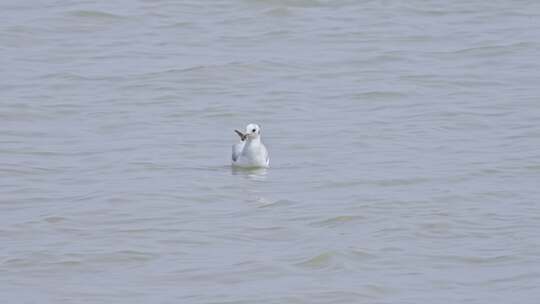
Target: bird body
250 152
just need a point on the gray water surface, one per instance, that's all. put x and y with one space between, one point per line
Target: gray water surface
403 136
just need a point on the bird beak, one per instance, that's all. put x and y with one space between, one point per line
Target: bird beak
242 135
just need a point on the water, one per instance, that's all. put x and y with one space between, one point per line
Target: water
404 143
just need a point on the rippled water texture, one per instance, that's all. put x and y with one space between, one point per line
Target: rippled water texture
403 135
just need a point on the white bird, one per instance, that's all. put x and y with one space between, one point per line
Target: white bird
250 152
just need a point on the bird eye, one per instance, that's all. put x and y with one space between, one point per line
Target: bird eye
254 130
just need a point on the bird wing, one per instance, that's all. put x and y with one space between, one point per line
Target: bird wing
266 156
237 150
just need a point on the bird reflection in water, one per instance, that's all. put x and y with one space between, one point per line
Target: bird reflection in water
256 174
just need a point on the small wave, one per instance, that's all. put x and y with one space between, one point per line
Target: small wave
475 260
321 261
95 15
278 203
333 260
492 49
379 95
181 24
291 3
54 219
338 220
279 12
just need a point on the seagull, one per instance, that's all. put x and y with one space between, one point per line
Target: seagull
250 152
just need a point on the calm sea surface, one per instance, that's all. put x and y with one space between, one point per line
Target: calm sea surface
404 139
